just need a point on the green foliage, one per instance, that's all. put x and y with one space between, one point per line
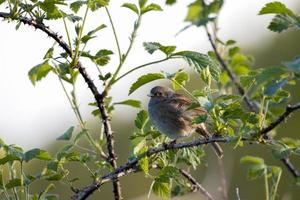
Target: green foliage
144 80
67 135
200 62
284 19
151 47
39 71
130 102
227 116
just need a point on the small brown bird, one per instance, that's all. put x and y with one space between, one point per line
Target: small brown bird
170 113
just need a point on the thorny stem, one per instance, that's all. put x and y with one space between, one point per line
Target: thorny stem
98 97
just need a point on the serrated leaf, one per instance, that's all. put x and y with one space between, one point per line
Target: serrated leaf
151 47
281 23
275 8
51 9
147 78
67 135
73 18
141 119
38 154
39 71
130 102
131 6
200 61
90 34
151 7
96 4
75 6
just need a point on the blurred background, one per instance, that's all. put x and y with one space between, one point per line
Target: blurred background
35 116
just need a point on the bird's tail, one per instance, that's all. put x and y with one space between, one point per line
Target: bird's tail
216 147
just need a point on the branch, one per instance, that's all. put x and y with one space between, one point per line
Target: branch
196 184
131 165
252 106
289 109
98 97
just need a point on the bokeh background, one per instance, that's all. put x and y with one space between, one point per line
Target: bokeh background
35 116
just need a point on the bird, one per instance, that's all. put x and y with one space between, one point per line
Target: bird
172 115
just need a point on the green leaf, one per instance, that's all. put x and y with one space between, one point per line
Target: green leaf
96 4
131 6
75 6
200 62
281 153
162 189
142 3
2 1
151 47
179 79
102 57
151 7
252 159
73 18
141 119
16 182
271 89
293 65
275 8
281 23
90 34
38 154
170 2
51 9
9 158
67 135
39 71
130 102
144 80
49 53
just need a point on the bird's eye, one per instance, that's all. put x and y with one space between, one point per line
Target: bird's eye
159 94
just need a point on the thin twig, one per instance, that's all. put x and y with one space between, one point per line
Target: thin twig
237 193
98 97
251 105
195 183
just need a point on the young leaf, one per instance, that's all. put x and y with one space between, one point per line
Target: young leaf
90 34
200 61
170 2
151 47
179 79
145 79
275 8
39 71
151 7
252 159
67 135
75 6
282 22
131 6
38 154
130 102
141 119
96 4
142 3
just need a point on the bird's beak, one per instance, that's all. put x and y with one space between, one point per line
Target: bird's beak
149 95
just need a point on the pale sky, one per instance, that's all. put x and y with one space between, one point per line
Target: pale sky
34 116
